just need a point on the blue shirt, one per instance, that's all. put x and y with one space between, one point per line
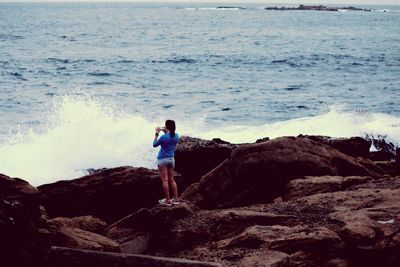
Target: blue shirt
168 145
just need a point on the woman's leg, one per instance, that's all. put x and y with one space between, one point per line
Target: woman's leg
172 182
164 179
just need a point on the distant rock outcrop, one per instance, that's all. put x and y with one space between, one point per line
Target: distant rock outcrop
318 8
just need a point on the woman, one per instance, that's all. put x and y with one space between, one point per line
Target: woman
166 162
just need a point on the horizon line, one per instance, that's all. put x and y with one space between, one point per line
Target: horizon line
196 2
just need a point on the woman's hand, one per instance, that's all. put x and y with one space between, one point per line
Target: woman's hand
158 130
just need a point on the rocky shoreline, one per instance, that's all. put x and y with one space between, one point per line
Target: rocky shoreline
319 8
289 201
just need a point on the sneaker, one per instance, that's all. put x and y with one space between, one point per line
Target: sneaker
165 202
175 201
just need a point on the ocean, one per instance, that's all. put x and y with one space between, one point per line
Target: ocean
83 85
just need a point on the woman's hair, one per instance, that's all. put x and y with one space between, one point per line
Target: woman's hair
170 125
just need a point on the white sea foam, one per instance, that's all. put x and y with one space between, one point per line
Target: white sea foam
335 123
386 10
84 133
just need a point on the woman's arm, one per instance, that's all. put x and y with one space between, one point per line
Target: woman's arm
156 142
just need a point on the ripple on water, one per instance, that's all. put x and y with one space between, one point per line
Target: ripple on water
100 74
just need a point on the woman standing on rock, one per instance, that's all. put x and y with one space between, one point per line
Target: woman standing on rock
166 161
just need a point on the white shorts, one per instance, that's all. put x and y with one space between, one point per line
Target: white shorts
167 162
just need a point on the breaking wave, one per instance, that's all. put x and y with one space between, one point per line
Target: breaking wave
84 133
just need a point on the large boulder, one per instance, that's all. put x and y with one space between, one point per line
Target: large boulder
195 157
259 172
20 242
109 194
353 146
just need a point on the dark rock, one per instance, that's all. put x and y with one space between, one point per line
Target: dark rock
397 160
220 141
303 7
133 232
195 157
138 243
67 257
321 184
259 172
142 220
93 171
20 242
352 8
73 237
353 146
307 258
206 226
87 223
332 221
385 150
380 155
230 222
15 190
110 194
389 167
286 239
137 231
268 258
265 139
366 220
164 215
124 229
318 8
84 232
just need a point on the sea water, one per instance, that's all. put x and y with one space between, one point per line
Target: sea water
84 85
